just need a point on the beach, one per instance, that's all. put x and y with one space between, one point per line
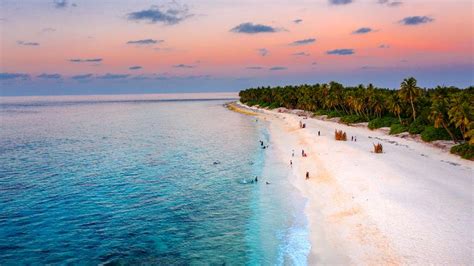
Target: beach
412 204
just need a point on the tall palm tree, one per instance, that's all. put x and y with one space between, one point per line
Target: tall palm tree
470 133
439 113
448 107
460 111
410 93
395 106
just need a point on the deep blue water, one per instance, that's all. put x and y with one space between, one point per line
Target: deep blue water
129 182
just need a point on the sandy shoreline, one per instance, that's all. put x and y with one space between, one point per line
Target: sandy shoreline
413 204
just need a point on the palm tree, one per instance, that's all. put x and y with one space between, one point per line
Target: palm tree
447 107
410 92
395 106
470 133
439 113
378 104
460 111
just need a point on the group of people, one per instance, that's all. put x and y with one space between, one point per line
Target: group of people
303 154
263 146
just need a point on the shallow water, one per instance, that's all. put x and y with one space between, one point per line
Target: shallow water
94 181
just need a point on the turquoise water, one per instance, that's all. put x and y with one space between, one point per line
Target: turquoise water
97 181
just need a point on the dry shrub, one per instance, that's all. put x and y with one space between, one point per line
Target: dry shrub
378 148
340 135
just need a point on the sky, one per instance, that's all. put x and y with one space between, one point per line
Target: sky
64 47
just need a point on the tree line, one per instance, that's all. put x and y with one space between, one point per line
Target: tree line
435 113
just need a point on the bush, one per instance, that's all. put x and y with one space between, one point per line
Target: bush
273 106
321 112
263 104
251 103
417 126
397 129
350 119
431 133
332 114
382 122
464 150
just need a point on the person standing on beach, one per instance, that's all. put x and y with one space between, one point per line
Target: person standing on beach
307 175
302 153
293 153
319 133
291 163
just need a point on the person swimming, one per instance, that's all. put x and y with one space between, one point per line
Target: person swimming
256 179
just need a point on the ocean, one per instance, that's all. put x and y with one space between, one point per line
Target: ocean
143 180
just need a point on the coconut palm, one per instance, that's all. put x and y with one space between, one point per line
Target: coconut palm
444 107
439 113
461 111
395 106
409 92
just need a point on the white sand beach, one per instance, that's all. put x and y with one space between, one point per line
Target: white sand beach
412 204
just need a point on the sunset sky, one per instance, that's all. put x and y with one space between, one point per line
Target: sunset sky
102 47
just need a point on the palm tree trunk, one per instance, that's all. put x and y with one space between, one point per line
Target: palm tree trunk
412 107
449 132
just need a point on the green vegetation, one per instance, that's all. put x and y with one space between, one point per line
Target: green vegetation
351 119
464 150
397 129
439 113
432 133
334 113
263 104
417 126
379 122
321 112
